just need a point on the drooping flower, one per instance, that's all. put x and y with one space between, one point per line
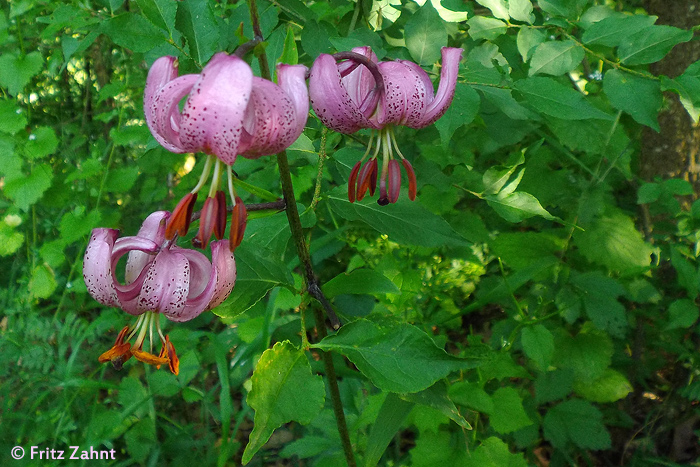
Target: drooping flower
160 278
228 112
360 93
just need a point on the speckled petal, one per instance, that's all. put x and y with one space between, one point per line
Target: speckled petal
161 72
292 80
97 266
202 285
127 294
225 266
404 97
212 118
166 285
446 89
331 101
153 228
269 123
163 114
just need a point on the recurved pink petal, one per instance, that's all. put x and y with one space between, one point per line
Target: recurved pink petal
269 124
97 266
446 89
212 119
202 285
404 99
359 82
153 229
163 114
225 267
161 72
127 294
166 285
331 101
292 80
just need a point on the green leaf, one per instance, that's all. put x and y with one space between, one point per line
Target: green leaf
42 142
425 35
600 300
553 98
687 86
611 31
565 8
471 396
499 8
43 282
521 10
196 21
493 452
283 390
437 398
648 193
160 12
462 111
10 239
518 206
613 241
528 39
553 385
26 191
520 249
290 55
508 413
688 276
611 386
405 222
12 118
16 72
556 58
576 422
481 27
256 275
121 180
133 32
358 282
538 344
588 354
683 314
389 419
395 357
639 97
314 38
651 44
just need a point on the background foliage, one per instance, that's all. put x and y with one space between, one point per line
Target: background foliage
536 305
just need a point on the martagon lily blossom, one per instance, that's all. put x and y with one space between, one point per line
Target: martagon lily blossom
228 112
360 93
160 278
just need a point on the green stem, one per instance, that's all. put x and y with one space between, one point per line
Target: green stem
335 393
319 177
305 258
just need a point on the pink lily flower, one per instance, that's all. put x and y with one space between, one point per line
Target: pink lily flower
228 112
160 277
361 93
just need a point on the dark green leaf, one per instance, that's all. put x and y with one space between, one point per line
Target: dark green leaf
42 142
611 31
651 44
395 357
508 414
462 111
471 396
15 72
553 98
538 344
683 314
639 97
588 354
437 398
28 190
360 281
494 452
133 32
576 422
518 206
611 386
196 21
160 12
392 414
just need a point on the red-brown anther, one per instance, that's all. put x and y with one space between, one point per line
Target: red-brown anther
179 221
174 361
394 180
373 177
220 225
364 180
120 351
207 222
352 182
412 188
239 220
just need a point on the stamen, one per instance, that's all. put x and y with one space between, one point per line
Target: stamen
205 173
386 157
393 141
231 189
220 225
179 221
412 186
215 179
369 146
207 222
394 180
239 220
352 181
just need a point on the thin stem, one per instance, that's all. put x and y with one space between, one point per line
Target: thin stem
319 176
355 16
335 392
305 259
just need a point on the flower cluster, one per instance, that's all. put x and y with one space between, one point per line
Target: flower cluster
361 93
227 113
